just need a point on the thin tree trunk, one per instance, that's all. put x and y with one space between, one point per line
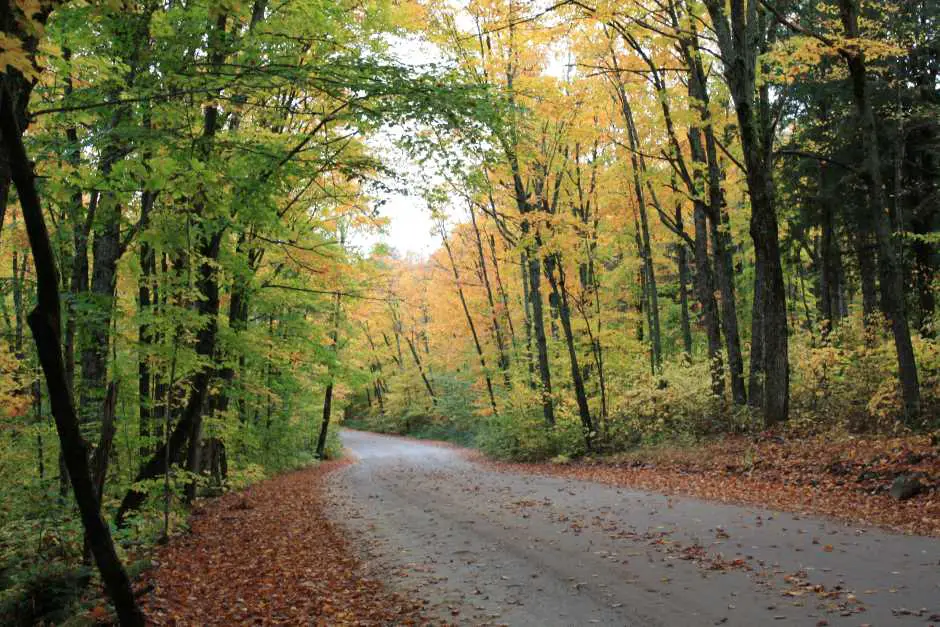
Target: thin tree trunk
190 423
376 368
145 336
553 264
867 256
470 323
705 288
530 353
504 297
503 357
720 236
328 393
541 342
646 254
417 360
207 282
682 264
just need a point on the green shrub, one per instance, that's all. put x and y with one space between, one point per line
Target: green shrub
519 432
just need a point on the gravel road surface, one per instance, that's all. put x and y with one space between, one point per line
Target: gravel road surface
492 548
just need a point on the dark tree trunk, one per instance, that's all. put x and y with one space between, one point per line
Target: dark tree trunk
45 323
553 264
890 273
924 274
706 155
705 289
376 368
724 271
682 265
325 422
328 393
830 265
503 296
530 353
695 183
97 326
643 240
866 254
145 338
740 39
538 325
190 423
424 377
704 276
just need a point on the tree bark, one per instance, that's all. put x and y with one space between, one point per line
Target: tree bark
190 422
553 264
892 281
328 393
538 325
45 323
503 295
424 377
740 36
646 254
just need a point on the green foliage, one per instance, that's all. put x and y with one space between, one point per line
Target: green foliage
334 445
519 431
42 593
679 403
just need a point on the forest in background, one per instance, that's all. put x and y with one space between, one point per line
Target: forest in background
693 219
660 221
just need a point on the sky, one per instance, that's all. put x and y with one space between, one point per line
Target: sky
409 228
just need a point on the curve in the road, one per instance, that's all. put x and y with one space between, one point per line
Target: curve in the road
487 547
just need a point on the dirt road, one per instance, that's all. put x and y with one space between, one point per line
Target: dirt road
485 547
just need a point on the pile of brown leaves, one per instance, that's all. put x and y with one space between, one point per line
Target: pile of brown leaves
269 556
844 477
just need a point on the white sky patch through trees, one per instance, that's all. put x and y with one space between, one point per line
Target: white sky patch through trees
410 229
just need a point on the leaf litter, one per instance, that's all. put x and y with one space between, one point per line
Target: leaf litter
846 478
270 555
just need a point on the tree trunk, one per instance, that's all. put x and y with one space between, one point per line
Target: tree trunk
530 353
867 257
190 423
682 264
503 296
646 255
503 357
417 360
45 323
97 326
328 394
538 325
707 156
892 282
470 323
740 40
325 422
553 263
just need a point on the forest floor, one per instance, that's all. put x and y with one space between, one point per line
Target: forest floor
845 477
269 555
497 544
